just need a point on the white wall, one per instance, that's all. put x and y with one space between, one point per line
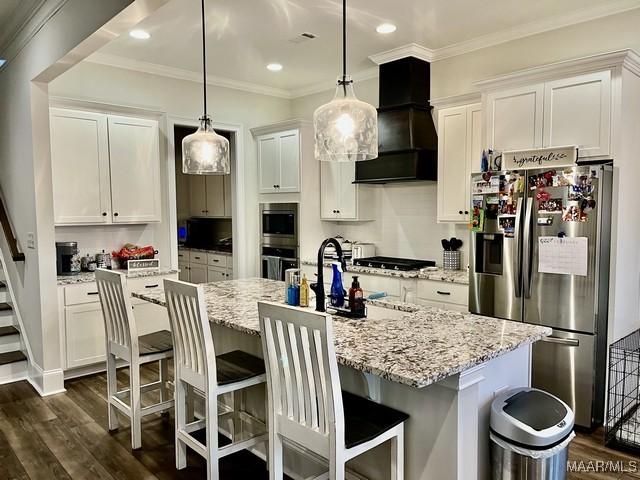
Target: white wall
404 213
182 99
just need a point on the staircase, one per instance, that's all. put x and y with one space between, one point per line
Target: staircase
13 360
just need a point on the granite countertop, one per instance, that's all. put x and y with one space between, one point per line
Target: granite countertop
205 250
440 275
88 277
421 346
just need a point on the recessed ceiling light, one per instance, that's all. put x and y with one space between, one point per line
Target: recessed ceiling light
140 34
274 67
386 28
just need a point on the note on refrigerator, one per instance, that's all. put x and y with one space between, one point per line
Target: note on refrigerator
564 256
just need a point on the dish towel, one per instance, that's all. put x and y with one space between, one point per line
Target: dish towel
273 267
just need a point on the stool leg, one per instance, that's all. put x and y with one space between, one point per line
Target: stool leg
112 389
212 435
181 421
397 455
276 470
134 395
337 468
163 381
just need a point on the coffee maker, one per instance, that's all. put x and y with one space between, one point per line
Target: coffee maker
67 258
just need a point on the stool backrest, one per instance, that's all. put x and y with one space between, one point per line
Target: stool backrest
115 300
305 398
192 339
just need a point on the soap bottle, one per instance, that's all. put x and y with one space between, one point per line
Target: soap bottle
337 290
356 297
293 292
304 291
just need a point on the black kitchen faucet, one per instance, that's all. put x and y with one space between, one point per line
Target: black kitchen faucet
318 287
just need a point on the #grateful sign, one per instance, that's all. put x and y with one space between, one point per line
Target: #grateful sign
540 158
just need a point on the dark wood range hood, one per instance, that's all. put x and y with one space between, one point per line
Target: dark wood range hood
407 139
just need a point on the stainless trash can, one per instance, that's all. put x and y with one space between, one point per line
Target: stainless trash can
530 432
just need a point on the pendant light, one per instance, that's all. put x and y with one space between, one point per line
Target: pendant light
205 152
346 128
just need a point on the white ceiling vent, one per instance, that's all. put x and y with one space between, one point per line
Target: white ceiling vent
303 37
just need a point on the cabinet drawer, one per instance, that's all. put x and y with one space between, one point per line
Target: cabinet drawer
198 257
156 281
79 294
215 274
216 260
443 292
183 255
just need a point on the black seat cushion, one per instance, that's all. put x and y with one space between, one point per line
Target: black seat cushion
156 342
365 419
238 365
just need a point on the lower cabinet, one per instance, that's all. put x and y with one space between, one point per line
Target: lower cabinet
447 295
197 273
202 267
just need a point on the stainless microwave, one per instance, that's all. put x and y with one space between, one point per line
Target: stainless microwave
279 224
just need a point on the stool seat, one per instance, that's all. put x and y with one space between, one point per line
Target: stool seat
156 342
365 420
236 366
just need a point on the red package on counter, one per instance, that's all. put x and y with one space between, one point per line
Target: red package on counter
134 252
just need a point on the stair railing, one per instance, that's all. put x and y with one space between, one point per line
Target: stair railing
16 254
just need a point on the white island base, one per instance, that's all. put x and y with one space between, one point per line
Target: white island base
447 434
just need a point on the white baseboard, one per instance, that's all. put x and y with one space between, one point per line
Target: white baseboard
46 382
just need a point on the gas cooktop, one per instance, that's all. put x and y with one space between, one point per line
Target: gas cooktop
391 263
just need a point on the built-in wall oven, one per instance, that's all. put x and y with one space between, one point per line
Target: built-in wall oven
279 238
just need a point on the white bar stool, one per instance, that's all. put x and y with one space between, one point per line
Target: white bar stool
198 368
122 342
306 404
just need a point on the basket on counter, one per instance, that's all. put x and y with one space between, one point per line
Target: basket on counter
451 259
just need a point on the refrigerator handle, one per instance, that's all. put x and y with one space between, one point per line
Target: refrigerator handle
569 342
517 280
527 249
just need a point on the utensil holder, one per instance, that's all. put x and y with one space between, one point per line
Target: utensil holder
451 260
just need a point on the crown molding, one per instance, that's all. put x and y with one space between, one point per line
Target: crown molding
535 27
409 50
182 74
323 86
456 100
281 126
601 61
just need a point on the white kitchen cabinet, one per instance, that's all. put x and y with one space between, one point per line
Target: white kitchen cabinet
515 118
279 162
215 195
84 330
80 167
577 111
446 295
135 169
197 273
340 198
228 205
183 275
207 196
217 274
197 195
106 168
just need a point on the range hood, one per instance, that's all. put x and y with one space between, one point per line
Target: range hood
408 143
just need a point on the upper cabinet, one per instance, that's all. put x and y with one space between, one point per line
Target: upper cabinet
340 198
569 111
279 162
459 152
210 196
106 168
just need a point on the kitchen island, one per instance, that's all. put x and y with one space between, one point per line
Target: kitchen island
441 367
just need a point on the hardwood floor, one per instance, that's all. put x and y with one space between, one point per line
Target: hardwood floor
65 436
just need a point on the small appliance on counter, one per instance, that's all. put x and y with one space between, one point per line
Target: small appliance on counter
363 250
67 258
346 245
391 263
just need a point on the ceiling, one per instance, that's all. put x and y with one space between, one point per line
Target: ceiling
245 35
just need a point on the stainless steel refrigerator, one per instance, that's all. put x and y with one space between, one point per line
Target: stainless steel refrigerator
539 254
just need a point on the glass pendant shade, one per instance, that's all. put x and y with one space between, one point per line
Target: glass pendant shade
205 152
346 129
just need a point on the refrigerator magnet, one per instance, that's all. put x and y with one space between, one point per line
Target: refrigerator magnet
507 224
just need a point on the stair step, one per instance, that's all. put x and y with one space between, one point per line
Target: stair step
8 330
5 307
12 357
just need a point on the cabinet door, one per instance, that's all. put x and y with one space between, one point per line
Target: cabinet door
452 164
228 202
347 191
197 195
135 169
150 317
329 189
80 167
184 272
216 274
474 149
289 150
514 118
577 111
197 273
268 163
85 340
215 195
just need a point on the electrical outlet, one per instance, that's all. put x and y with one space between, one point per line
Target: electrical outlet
31 240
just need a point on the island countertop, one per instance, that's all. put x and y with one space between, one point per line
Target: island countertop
403 343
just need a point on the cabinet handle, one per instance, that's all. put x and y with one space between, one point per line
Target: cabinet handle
466 212
439 292
92 293
155 285
104 214
115 214
216 260
460 212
